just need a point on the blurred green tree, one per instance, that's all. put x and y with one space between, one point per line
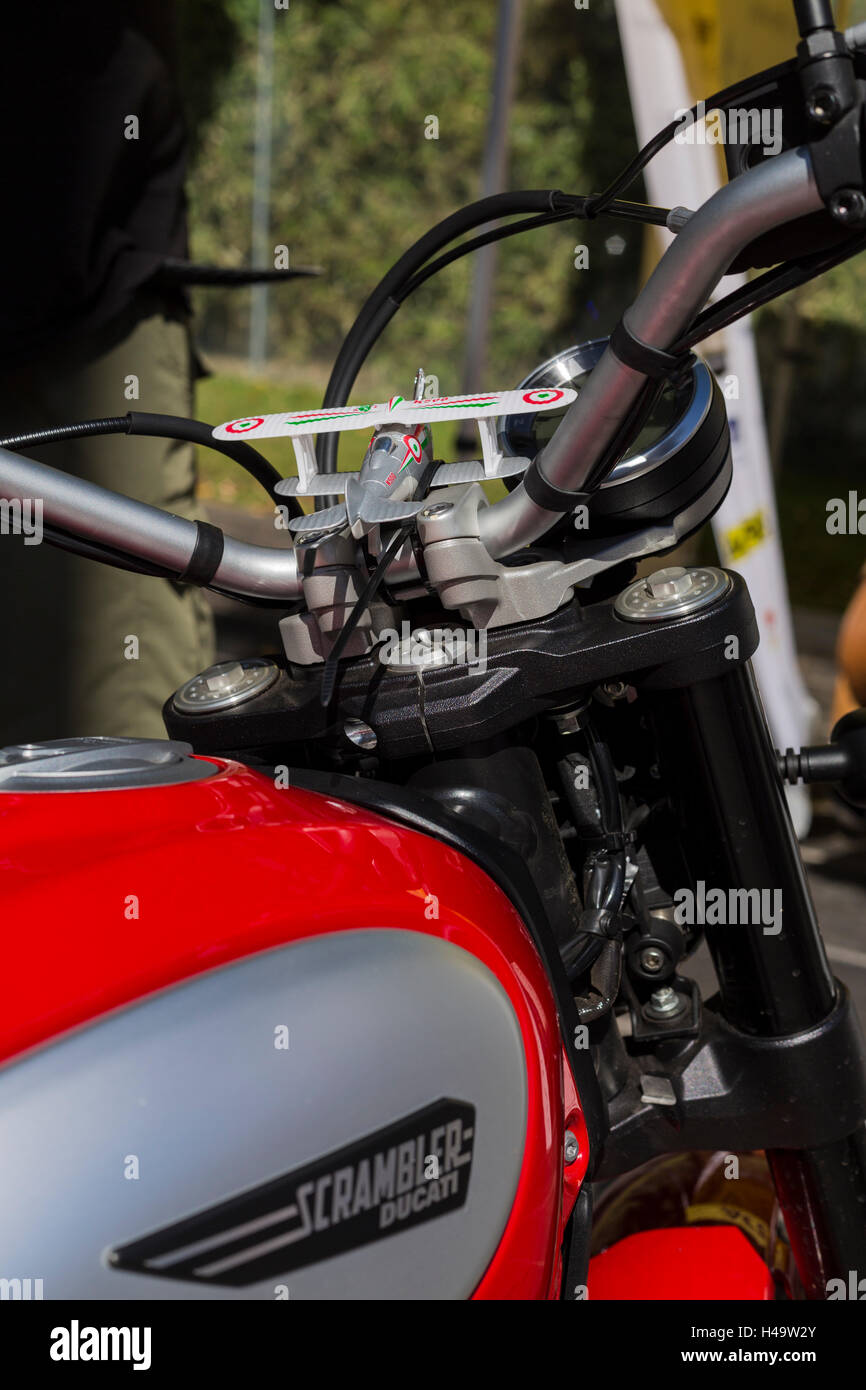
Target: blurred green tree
356 178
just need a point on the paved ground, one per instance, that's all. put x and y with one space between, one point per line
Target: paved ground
834 852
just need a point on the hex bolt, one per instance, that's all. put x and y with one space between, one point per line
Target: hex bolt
848 206
615 690
434 512
227 679
652 960
822 106
572 1148
664 1003
671 582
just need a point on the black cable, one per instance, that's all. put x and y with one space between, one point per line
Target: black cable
405 275
383 303
116 559
605 882
362 603
197 432
773 283
105 554
526 224
630 212
779 280
599 203
602 201
633 422
111 424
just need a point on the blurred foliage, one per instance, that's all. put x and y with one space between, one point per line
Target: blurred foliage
354 180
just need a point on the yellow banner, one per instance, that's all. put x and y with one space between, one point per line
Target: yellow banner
724 40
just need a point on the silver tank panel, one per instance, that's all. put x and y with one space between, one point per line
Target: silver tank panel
177 1149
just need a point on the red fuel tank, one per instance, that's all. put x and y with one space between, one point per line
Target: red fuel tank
287 1047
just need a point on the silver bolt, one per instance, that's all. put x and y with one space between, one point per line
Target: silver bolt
420 651
439 509
360 734
672 582
848 206
615 690
572 1148
652 959
570 721
823 106
225 679
664 1003
678 217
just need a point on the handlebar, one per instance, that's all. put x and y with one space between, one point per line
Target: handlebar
777 191
144 532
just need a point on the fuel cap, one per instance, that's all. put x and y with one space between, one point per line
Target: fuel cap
225 685
99 764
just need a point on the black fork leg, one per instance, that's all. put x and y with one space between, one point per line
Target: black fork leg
720 765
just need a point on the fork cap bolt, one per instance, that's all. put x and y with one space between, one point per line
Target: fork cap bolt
652 959
848 206
822 106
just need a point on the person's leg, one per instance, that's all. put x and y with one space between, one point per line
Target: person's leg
850 691
89 649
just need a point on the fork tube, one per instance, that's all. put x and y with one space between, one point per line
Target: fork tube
718 761
737 832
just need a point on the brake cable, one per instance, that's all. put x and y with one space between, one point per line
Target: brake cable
411 270
597 944
361 604
630 212
779 280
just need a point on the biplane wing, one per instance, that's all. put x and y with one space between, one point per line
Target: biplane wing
427 411
301 426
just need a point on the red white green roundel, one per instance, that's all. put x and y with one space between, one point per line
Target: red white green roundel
543 397
413 451
252 422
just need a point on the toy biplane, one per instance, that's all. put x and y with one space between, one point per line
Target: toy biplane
398 468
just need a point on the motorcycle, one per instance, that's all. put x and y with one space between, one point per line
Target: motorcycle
372 977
